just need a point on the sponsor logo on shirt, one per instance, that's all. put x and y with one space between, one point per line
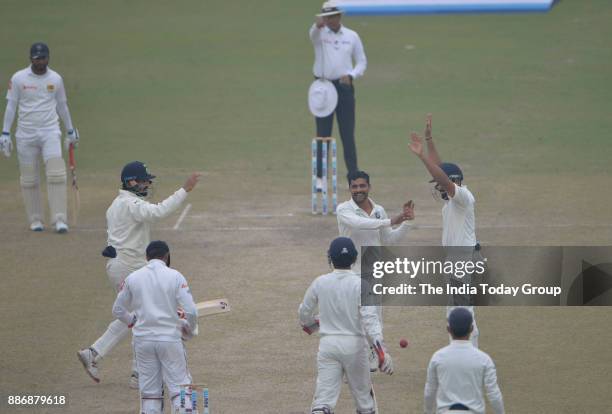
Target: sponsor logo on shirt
50 88
31 87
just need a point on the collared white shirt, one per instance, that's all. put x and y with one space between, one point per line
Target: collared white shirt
457 374
335 53
338 297
37 97
458 222
152 295
129 220
365 229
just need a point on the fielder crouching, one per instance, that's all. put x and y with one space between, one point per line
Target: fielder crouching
344 326
147 302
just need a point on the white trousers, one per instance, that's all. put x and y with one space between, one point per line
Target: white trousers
32 143
161 363
340 354
117 271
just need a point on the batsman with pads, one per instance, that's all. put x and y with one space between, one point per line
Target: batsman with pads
129 220
345 328
38 95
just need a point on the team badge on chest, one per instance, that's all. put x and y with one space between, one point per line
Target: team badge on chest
50 88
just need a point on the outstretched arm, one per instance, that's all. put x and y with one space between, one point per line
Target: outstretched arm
416 146
432 152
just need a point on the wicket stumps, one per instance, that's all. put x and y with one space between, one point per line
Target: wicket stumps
189 400
327 144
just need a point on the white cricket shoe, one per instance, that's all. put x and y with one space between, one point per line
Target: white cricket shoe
37 226
61 227
319 184
134 381
89 363
373 360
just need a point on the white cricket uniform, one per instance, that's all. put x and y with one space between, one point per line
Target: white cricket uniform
38 98
336 52
151 296
459 230
342 348
457 374
129 220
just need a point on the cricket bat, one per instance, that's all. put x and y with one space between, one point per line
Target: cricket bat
76 199
211 307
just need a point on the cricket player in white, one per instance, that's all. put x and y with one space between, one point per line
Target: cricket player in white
148 303
343 324
129 220
458 372
458 221
367 224
38 94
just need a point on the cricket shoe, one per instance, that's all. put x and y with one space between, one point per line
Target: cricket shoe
373 359
134 381
88 360
37 226
61 227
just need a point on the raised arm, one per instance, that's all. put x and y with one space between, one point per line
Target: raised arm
416 146
315 30
432 152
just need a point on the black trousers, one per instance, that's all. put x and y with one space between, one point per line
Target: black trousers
345 115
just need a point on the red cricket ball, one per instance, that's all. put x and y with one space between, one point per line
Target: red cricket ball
403 342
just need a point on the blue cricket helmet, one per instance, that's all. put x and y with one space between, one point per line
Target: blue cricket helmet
135 170
452 171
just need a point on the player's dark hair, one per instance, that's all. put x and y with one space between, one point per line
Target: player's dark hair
354 175
460 322
157 250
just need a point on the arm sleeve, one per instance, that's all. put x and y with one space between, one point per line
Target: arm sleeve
122 304
360 59
431 388
185 301
393 236
9 115
306 311
462 197
494 394
349 218
62 105
315 34
371 323
148 212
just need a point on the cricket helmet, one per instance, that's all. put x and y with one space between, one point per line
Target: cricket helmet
452 171
136 170
342 252
39 50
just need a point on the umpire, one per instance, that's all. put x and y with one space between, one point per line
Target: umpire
336 49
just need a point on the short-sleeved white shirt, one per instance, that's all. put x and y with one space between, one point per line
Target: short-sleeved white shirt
37 97
458 222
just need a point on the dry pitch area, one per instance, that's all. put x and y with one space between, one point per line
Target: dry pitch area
262 255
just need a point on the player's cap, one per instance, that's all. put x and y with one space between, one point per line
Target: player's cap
135 170
452 170
329 8
39 50
157 248
342 252
460 321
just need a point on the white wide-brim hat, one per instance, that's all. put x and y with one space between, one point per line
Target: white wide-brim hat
329 8
322 98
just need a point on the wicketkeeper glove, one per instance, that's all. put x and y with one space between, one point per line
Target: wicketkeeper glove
72 137
6 145
385 363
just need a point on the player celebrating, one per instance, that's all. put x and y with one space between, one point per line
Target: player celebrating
38 93
129 220
147 303
366 224
458 222
343 322
458 373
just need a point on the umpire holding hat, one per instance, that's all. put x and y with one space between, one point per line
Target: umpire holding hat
458 372
339 58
